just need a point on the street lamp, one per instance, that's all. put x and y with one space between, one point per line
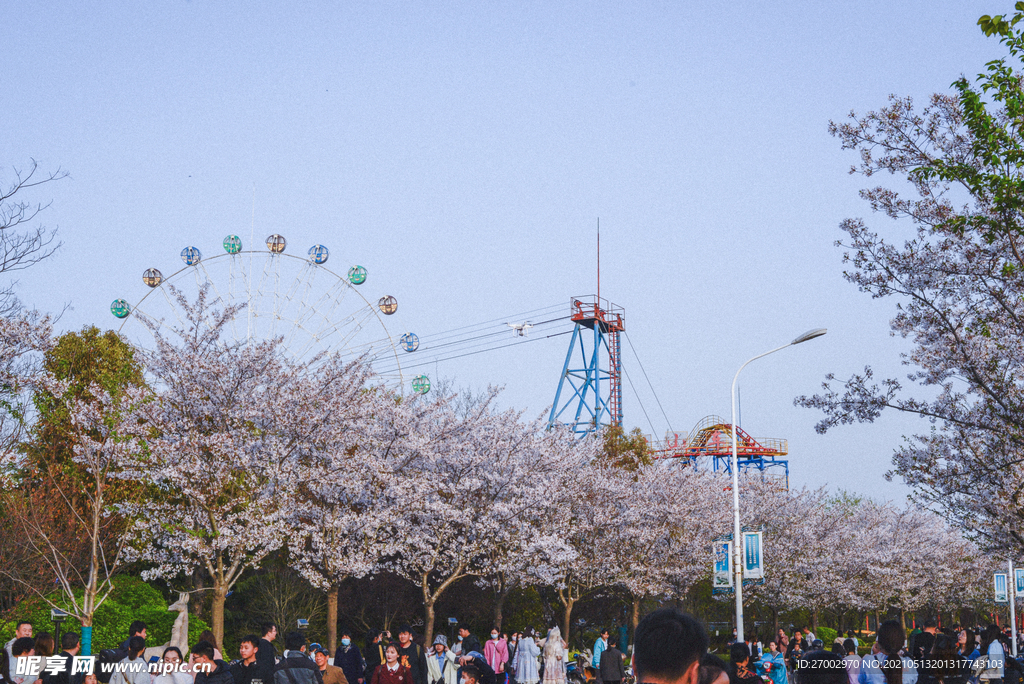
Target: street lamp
58 616
737 547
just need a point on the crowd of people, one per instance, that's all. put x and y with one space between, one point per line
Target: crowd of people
517 658
950 655
663 645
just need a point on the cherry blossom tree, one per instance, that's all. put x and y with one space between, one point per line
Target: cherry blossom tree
913 559
660 544
341 509
792 544
230 433
510 563
958 284
466 476
587 516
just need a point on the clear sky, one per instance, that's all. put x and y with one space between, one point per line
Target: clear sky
463 152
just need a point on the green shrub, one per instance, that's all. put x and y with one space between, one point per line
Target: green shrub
827 636
132 599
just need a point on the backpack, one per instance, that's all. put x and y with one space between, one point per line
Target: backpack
108 656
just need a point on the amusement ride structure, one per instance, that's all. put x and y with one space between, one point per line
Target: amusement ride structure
313 310
593 384
709 445
589 397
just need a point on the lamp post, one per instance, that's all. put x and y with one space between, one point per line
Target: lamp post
737 546
57 616
1011 585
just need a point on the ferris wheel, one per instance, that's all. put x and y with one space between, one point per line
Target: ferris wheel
310 306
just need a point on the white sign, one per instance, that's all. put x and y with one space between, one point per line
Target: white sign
1002 589
753 567
722 551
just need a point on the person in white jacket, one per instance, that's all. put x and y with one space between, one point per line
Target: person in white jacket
133 669
442 668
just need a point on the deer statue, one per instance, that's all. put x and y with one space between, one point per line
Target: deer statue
179 632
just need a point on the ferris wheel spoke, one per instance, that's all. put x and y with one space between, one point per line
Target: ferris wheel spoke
371 346
299 326
352 327
330 301
259 293
248 298
262 310
292 343
233 271
211 282
321 335
276 300
334 317
306 312
331 323
174 307
303 283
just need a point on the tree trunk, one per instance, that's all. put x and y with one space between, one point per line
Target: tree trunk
499 605
903 619
198 584
428 610
430 599
220 593
86 636
332 619
775 624
87 619
814 620
428 625
634 618
567 617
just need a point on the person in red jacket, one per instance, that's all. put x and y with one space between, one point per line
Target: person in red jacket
391 671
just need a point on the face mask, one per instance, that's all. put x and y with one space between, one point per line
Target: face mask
346 642
494 636
460 637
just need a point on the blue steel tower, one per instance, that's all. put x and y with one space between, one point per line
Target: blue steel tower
589 393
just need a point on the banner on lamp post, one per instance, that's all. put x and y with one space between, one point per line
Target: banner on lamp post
721 550
1018 576
1000 583
753 565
